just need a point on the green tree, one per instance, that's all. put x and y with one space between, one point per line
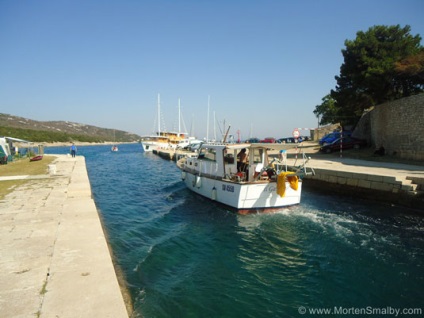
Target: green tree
383 64
327 110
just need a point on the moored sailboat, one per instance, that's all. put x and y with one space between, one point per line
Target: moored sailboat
164 139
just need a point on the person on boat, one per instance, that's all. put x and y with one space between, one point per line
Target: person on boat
73 150
242 160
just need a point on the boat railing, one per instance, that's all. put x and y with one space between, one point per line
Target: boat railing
278 165
298 166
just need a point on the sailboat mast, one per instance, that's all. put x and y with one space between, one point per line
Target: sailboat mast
214 126
207 124
179 117
159 114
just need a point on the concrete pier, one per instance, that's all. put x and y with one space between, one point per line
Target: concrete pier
390 182
54 258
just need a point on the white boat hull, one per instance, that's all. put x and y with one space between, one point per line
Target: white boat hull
149 146
154 145
242 196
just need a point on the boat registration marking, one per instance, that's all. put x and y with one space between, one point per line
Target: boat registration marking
228 188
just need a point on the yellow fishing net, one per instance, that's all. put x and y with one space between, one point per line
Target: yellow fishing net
291 177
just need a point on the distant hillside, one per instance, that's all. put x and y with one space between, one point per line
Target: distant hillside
59 131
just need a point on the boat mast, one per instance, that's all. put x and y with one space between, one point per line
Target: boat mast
159 114
179 117
214 127
207 123
226 134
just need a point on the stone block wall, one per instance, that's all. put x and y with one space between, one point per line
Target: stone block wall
382 188
398 126
359 180
320 132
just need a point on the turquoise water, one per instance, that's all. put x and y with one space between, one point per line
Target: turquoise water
185 256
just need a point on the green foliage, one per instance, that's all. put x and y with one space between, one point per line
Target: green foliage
46 136
383 64
327 110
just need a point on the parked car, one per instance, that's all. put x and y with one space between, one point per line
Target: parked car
343 143
252 140
268 140
289 140
329 138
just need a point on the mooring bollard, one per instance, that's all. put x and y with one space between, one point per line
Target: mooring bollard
52 169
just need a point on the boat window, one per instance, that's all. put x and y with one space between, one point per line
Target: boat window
207 154
228 157
257 155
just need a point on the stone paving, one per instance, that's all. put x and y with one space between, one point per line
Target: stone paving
54 258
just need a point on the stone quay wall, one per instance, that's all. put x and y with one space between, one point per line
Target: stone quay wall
389 189
398 126
360 180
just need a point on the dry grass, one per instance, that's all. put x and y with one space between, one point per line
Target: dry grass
21 167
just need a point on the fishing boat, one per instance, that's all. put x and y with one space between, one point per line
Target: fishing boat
258 184
164 139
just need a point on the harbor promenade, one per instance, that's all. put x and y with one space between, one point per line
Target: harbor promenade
54 258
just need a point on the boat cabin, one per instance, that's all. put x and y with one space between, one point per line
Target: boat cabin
220 161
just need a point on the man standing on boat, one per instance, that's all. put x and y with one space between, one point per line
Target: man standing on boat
242 160
73 150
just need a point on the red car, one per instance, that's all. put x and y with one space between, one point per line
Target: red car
268 140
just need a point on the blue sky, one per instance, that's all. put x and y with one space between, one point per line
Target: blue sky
265 64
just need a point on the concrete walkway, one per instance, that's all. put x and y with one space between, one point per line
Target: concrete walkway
54 259
394 183
398 170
